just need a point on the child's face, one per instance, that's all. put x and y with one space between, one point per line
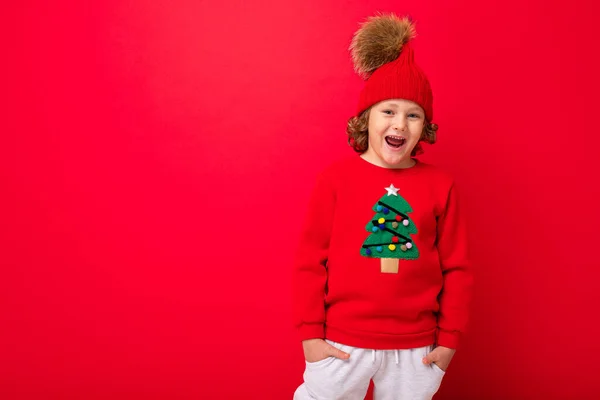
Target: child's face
395 127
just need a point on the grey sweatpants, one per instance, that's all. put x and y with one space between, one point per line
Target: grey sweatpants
396 374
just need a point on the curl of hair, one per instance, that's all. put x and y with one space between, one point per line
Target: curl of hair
358 133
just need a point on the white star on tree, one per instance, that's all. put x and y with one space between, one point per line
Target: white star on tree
392 190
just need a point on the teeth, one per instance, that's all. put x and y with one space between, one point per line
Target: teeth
396 141
402 139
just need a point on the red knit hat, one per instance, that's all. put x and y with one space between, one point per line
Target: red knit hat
382 55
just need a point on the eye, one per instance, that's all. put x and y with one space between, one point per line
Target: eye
413 115
388 112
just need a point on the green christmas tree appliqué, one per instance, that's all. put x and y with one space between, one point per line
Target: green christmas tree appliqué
391 229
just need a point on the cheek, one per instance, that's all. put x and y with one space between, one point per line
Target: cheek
417 130
377 128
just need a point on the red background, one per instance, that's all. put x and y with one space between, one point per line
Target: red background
156 159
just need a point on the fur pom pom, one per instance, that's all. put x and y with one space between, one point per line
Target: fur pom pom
379 41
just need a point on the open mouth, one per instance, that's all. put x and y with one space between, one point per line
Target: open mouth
395 141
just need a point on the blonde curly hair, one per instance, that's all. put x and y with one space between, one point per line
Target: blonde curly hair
358 133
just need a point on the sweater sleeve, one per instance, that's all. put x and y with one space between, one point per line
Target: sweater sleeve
456 292
309 267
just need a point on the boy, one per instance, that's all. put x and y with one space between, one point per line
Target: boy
382 279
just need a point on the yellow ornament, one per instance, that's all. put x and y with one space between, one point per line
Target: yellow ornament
392 247
381 220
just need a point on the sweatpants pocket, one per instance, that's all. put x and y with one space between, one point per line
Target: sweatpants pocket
438 369
319 363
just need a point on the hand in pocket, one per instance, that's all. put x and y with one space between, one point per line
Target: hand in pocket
318 349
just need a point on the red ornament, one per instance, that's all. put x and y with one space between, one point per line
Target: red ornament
395 239
398 218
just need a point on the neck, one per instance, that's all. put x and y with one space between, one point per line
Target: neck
369 157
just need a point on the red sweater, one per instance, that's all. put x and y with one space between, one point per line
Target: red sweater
363 221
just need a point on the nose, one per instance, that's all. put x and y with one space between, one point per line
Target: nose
399 124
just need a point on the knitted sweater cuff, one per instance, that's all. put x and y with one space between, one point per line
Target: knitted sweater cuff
311 331
450 339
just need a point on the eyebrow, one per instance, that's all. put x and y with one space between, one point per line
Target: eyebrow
411 109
